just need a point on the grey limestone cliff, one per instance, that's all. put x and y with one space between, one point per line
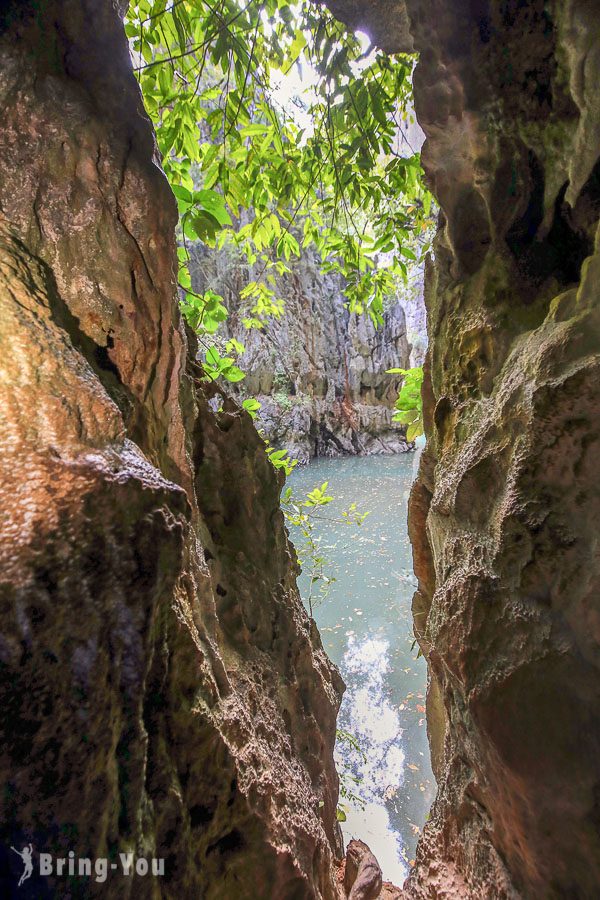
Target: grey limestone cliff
319 371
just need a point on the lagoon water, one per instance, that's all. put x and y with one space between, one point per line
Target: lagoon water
366 627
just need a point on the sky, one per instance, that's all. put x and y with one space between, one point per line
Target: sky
295 91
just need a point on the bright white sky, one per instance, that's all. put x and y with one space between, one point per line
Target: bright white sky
295 90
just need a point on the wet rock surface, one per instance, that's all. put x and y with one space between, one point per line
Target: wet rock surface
162 689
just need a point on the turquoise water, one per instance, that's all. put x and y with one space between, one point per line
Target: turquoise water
366 627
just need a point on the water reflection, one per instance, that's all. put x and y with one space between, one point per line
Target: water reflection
371 718
366 627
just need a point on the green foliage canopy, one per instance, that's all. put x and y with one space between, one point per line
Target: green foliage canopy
242 168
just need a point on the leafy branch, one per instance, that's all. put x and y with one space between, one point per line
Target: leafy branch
207 76
304 513
409 405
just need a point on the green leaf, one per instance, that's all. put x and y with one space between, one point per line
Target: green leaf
214 204
203 225
233 374
413 432
251 405
184 197
235 346
255 128
406 416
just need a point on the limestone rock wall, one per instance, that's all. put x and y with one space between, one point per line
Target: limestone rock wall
319 372
504 517
162 690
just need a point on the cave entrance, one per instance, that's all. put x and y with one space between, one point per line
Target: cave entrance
365 623
290 144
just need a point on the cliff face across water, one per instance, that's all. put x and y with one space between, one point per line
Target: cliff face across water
319 371
162 690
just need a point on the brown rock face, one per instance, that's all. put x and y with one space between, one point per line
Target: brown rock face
162 690
504 518
362 875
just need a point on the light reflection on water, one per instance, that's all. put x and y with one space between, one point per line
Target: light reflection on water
366 626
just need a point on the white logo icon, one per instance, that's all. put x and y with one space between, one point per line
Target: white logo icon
26 855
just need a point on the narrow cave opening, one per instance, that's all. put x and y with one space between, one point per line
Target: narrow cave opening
327 376
318 310
321 374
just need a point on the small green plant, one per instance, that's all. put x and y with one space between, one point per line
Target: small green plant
204 312
283 401
348 780
252 406
280 459
303 513
215 365
409 405
281 390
